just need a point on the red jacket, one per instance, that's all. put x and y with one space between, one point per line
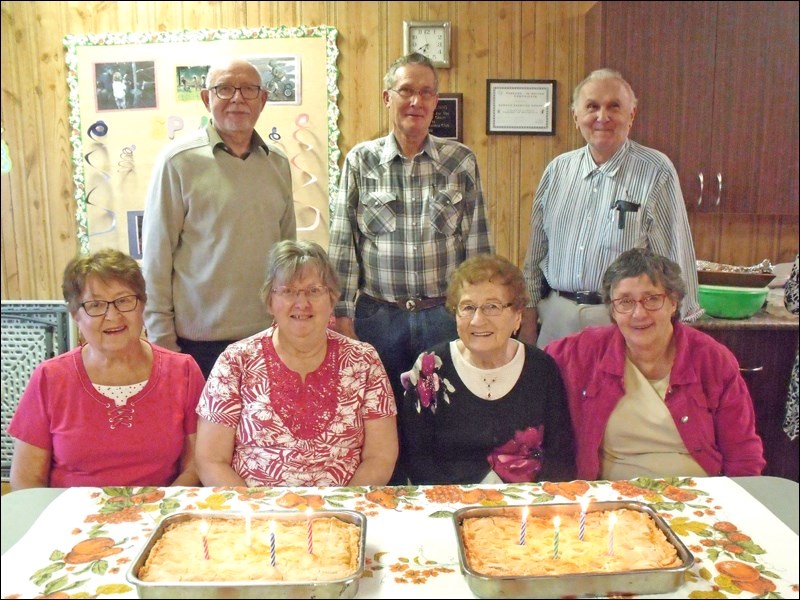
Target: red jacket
707 397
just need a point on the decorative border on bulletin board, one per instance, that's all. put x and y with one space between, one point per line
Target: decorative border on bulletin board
82 155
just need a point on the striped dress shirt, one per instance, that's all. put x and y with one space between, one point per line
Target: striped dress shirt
575 232
400 226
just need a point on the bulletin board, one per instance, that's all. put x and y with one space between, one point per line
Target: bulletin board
131 94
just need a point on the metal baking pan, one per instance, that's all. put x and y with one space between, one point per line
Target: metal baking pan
572 585
340 588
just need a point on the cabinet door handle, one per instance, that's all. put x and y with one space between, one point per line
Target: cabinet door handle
751 369
719 189
700 197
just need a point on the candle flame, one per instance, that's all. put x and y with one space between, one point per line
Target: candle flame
584 504
612 520
556 522
272 527
203 527
525 513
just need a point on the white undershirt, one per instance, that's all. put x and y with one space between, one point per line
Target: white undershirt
489 384
120 393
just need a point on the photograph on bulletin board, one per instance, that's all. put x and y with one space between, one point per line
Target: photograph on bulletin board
131 94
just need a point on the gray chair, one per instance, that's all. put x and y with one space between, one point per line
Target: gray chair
31 333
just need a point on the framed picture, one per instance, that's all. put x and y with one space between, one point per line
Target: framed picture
448 118
520 106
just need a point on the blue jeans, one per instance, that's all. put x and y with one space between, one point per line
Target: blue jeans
400 337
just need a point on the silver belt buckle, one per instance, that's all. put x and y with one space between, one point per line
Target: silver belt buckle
411 304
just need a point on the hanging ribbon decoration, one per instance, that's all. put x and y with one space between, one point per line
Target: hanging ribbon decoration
302 126
126 163
97 130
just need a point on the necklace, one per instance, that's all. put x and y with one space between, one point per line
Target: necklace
489 381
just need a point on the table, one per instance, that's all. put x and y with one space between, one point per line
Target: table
411 546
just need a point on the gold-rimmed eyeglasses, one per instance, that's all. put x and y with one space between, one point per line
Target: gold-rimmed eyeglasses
314 292
406 93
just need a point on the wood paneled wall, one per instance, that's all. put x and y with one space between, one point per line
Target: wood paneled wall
526 40
492 40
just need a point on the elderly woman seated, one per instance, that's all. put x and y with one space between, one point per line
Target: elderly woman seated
485 408
650 396
297 404
116 411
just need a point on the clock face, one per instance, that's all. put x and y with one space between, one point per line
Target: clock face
429 41
431 38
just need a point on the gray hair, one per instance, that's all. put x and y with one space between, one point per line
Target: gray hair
288 259
600 75
643 261
107 264
415 58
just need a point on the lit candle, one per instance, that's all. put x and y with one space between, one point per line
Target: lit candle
248 531
612 519
272 543
204 533
582 521
557 527
523 526
309 532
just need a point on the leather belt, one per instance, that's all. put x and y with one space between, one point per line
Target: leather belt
414 304
582 297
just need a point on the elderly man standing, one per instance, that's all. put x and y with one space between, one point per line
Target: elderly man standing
410 209
219 198
594 203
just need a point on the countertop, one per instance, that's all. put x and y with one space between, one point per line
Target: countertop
772 316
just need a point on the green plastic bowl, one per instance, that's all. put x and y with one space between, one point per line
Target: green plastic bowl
728 302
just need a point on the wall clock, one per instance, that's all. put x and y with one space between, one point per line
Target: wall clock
431 38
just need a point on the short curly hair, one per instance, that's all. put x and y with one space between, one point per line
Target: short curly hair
487 268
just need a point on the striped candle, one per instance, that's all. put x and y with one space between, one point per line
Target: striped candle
272 558
204 533
523 526
309 532
582 520
556 531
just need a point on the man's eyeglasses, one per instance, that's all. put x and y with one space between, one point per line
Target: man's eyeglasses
628 305
226 92
315 292
406 93
490 309
98 308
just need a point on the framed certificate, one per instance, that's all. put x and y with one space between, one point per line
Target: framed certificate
520 106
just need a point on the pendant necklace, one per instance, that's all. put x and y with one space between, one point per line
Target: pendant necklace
489 381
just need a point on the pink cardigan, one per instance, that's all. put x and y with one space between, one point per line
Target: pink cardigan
707 397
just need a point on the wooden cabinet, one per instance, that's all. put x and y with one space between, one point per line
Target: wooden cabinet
765 358
717 84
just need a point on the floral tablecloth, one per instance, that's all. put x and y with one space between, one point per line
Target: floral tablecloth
82 545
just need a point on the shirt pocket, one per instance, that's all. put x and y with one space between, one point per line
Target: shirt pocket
377 214
619 240
446 210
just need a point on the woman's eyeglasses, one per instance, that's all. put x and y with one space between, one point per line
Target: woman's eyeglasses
649 303
490 309
315 292
98 308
